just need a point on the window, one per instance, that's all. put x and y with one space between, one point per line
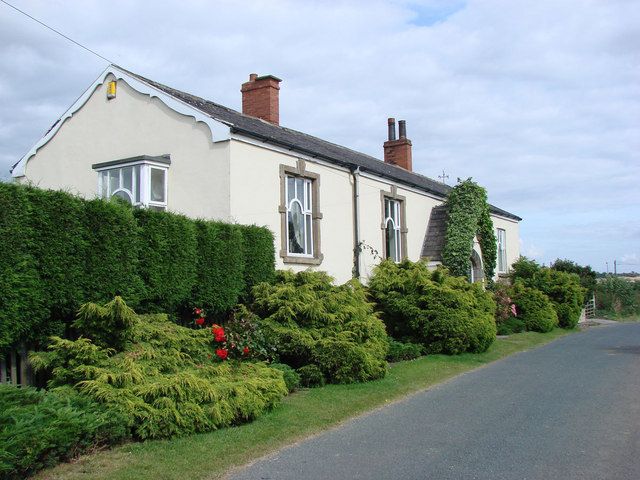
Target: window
502 250
300 216
140 181
394 230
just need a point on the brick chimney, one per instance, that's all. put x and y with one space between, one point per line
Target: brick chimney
398 152
260 97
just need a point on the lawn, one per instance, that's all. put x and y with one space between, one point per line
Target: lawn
211 455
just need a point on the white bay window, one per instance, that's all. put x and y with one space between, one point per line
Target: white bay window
140 181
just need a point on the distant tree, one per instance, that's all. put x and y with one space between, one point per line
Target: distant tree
587 274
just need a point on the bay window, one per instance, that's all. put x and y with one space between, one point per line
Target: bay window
140 181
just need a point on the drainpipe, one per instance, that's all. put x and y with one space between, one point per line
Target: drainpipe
356 222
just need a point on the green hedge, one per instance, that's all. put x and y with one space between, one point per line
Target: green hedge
534 308
59 251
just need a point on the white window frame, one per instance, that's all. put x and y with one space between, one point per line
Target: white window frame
394 217
501 237
146 165
307 213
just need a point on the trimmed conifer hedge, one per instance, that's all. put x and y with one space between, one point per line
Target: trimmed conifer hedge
59 251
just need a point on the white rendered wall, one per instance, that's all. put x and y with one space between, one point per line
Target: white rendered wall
512 232
129 125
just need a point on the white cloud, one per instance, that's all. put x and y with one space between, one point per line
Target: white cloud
537 101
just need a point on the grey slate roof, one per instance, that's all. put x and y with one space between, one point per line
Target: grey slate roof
308 144
436 231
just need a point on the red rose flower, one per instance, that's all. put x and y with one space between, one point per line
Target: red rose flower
200 321
222 353
245 351
197 311
218 333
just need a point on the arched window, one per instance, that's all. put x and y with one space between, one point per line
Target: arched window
299 216
393 244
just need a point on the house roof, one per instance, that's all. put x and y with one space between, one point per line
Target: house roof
306 144
434 240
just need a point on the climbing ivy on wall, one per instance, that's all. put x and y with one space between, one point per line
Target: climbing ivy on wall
468 217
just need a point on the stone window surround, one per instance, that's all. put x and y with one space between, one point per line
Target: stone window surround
300 170
393 195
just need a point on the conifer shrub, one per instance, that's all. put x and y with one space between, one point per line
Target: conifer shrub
442 313
311 376
534 308
259 261
59 251
41 428
290 376
220 266
22 296
399 351
310 321
165 381
167 260
111 256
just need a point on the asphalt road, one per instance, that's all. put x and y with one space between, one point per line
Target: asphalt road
568 410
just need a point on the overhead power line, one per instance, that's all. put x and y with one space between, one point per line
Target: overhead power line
56 31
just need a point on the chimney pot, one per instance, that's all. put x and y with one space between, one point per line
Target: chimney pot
392 128
398 152
252 77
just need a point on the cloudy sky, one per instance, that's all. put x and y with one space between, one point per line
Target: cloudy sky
537 101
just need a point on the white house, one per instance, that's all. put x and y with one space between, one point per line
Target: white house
329 207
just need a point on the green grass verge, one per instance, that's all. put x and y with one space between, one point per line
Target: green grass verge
609 315
211 455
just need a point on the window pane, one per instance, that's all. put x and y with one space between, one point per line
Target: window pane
121 194
291 189
296 228
127 178
396 212
137 183
386 208
308 195
308 234
114 180
104 192
391 241
157 185
300 189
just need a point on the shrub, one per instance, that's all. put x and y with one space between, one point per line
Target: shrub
22 297
618 296
259 264
310 321
58 251
510 326
445 314
399 351
311 376
165 382
534 308
586 274
220 266
39 429
167 260
524 269
290 376
564 291
112 252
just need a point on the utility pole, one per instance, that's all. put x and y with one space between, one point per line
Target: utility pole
607 267
615 268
